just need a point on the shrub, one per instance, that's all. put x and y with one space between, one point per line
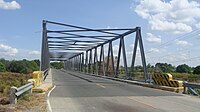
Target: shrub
196 70
183 69
2 67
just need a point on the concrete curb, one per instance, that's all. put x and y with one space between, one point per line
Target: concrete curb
150 85
42 89
173 89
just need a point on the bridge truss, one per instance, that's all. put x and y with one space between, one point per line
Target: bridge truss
77 47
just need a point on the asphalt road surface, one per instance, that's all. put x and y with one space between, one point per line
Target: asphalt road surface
75 92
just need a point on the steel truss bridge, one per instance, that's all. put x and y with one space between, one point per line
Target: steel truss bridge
91 81
76 46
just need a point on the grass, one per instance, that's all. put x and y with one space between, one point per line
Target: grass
7 80
26 102
187 77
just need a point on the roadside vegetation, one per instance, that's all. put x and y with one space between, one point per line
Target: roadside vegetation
16 73
19 66
181 72
7 81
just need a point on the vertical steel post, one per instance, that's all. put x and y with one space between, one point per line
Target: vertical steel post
86 62
82 64
73 64
45 53
134 53
124 57
100 58
90 60
118 58
108 59
142 54
76 62
112 60
96 61
103 60
100 62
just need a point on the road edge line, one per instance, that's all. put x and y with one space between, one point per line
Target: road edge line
48 103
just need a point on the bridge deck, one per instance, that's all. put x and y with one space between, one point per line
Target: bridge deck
76 92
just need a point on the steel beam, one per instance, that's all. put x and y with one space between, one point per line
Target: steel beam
118 58
88 29
108 59
69 40
124 57
112 60
51 31
82 63
142 54
134 54
90 61
86 62
45 52
96 62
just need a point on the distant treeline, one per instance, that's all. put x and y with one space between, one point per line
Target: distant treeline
24 66
19 66
28 66
168 68
57 65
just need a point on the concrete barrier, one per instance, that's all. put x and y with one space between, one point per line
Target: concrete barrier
37 78
166 79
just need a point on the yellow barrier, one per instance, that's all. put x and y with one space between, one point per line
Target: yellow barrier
166 80
37 78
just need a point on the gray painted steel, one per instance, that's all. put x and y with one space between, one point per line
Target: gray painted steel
71 44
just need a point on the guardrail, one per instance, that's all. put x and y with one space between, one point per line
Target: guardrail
16 92
38 78
188 87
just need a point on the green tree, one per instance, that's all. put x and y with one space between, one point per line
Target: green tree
37 62
19 67
2 67
5 62
57 65
164 67
196 70
183 68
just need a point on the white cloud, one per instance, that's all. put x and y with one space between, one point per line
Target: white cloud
182 42
6 50
174 16
9 5
198 25
34 52
152 38
155 50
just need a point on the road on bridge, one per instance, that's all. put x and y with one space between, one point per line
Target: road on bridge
75 92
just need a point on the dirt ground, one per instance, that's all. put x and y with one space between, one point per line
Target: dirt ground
36 103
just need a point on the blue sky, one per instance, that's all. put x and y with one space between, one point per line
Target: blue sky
170 28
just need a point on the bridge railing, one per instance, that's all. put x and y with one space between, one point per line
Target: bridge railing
45 72
16 92
188 87
38 78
